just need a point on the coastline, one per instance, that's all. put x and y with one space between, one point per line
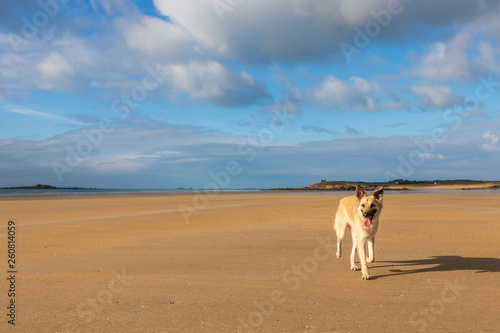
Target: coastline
398 186
124 193
324 186
395 185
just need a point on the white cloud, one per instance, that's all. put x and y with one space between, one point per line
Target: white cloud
445 61
168 155
54 66
489 23
256 32
488 57
151 35
213 82
363 85
352 94
119 163
56 72
334 91
261 31
428 156
39 114
63 63
291 31
434 96
462 57
112 6
491 144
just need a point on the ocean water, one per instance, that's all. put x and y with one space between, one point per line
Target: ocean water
41 192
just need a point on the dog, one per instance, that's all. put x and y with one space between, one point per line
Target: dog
361 214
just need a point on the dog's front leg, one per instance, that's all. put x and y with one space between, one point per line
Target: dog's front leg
371 250
362 259
353 252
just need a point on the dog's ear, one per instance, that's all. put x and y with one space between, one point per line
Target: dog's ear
360 192
379 193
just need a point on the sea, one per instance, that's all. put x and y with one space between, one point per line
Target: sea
96 191
90 191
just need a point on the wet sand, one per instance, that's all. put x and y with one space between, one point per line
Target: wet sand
249 262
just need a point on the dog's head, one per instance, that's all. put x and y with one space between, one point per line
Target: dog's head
369 206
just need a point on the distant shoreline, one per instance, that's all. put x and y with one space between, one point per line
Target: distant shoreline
397 185
45 187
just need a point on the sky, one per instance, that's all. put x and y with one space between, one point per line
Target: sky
221 94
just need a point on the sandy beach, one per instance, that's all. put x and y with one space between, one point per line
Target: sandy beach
249 262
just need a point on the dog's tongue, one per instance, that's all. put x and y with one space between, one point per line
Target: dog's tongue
368 222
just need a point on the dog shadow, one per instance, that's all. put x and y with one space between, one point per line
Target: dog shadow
440 264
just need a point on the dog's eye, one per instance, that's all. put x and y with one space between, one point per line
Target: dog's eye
362 205
372 205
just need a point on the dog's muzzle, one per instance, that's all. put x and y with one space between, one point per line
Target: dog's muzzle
368 217
370 214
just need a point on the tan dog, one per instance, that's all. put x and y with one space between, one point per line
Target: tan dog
361 213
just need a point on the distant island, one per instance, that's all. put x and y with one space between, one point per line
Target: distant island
45 187
397 185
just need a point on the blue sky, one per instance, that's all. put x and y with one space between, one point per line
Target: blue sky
236 94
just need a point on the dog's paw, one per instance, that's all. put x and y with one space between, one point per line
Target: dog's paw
339 255
366 276
355 268
370 260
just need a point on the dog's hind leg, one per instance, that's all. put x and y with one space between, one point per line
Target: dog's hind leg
353 252
339 226
371 250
